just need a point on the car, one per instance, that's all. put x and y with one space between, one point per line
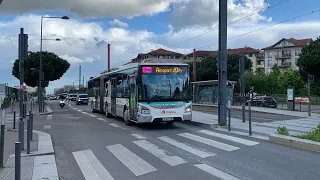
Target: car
82 99
72 97
263 101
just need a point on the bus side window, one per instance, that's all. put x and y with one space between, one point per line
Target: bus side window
106 89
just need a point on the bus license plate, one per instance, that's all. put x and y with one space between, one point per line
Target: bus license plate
168 119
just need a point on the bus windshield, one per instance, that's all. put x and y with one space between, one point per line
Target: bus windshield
165 83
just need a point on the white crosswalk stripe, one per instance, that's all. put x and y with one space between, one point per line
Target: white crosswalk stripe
193 150
137 165
159 153
209 142
90 166
138 136
215 172
230 138
103 120
92 115
79 110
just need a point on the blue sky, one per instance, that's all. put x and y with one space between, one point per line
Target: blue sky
149 26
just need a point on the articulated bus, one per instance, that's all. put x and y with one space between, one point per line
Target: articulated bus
143 93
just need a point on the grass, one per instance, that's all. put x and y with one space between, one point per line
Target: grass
312 135
282 131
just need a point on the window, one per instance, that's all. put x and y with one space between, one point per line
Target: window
270 54
269 62
281 70
296 60
269 70
106 89
297 52
253 55
261 62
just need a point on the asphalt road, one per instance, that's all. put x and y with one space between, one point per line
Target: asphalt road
255 116
90 146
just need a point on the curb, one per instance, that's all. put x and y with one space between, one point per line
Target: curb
295 142
49 110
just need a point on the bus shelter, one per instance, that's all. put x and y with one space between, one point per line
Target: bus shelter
206 92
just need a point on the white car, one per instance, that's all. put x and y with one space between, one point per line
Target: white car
82 99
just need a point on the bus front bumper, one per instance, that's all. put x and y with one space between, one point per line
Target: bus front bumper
147 118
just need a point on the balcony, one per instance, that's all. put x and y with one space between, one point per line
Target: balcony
260 65
260 57
284 64
285 55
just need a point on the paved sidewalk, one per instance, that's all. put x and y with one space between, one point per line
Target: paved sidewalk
38 165
295 126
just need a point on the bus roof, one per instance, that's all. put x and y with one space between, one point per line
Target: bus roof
135 65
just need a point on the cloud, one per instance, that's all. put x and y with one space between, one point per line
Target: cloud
116 22
85 43
74 60
89 8
205 13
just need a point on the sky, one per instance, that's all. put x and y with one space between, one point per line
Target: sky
138 26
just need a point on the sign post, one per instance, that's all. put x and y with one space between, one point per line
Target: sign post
291 99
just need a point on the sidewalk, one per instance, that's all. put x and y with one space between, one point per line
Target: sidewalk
271 111
295 126
38 165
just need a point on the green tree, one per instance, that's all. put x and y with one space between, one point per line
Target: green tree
309 63
275 70
233 66
53 68
292 78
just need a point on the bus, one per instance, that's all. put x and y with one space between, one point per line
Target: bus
143 93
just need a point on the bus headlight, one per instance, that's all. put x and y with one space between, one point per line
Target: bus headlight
145 110
187 109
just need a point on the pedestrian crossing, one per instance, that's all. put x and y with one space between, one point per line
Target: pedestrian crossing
191 149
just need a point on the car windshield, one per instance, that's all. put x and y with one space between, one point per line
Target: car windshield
73 95
165 83
83 96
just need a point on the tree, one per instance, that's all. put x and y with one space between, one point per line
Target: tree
233 66
275 70
292 78
52 65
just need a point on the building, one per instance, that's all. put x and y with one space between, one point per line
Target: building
249 52
285 53
159 56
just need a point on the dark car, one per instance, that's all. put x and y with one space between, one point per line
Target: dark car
82 99
263 101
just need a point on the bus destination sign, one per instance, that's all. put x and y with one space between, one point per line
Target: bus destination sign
162 70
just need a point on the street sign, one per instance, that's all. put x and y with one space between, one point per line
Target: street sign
24 88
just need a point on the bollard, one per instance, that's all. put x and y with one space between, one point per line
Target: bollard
28 135
31 126
250 132
229 118
14 119
31 106
17 158
2 139
21 133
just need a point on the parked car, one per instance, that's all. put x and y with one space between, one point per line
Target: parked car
263 101
72 97
82 99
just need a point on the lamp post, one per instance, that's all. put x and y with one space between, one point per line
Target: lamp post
40 68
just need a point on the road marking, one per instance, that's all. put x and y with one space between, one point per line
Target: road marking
47 127
84 112
230 138
92 115
49 117
185 147
215 172
138 136
209 142
103 120
75 108
117 126
133 162
79 110
159 153
90 166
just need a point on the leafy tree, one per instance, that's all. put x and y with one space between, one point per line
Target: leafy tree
309 63
260 71
292 78
52 65
233 66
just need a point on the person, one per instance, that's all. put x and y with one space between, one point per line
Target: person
62 97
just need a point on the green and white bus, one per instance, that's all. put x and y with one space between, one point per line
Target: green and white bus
143 93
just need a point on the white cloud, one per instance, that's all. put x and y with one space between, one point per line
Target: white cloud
74 60
89 8
117 22
200 13
86 43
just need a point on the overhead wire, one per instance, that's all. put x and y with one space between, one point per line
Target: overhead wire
265 27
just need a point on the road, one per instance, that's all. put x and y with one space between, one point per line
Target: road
259 117
90 146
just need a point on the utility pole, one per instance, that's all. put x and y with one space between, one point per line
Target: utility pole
108 57
310 78
79 77
82 81
223 61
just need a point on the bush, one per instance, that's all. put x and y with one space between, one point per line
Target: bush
5 103
282 131
312 135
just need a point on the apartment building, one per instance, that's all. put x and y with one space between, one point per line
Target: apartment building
159 56
285 53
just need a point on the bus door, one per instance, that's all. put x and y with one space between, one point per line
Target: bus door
114 96
102 93
133 92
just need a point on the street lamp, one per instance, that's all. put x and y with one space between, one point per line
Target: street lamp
40 69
